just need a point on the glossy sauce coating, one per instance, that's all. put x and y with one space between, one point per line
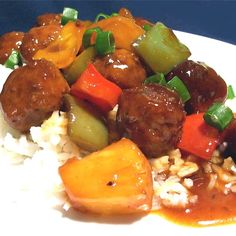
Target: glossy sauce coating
229 136
138 20
152 116
142 22
48 19
203 83
122 67
38 38
8 42
31 93
213 207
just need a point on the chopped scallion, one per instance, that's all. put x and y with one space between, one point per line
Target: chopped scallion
69 14
218 116
101 15
13 60
230 92
86 41
177 84
105 43
114 14
158 78
147 27
105 16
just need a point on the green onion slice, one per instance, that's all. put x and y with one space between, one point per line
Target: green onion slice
177 84
230 92
86 41
147 27
158 78
218 116
114 14
101 15
13 60
69 14
105 43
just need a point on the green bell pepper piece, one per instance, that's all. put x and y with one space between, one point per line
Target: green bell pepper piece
161 49
85 126
73 72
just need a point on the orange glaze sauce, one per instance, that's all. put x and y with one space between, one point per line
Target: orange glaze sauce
212 208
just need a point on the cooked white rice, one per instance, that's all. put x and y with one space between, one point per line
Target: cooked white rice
35 158
30 163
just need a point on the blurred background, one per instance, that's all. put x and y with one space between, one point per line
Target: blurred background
215 19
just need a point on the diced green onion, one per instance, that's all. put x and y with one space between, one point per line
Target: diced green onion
86 41
218 116
13 60
114 14
230 92
105 16
105 43
101 15
177 84
147 27
69 14
158 78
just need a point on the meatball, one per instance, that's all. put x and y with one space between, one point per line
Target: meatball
152 116
48 19
122 67
203 83
31 93
229 136
9 42
38 38
125 13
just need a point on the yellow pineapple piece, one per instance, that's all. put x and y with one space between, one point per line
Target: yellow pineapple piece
114 180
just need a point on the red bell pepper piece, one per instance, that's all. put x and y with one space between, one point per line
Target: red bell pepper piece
199 138
92 86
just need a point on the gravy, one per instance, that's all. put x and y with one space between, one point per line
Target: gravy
213 207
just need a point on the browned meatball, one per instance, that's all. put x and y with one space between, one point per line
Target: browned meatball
138 20
125 13
229 136
38 38
31 93
8 42
48 19
152 116
122 67
203 83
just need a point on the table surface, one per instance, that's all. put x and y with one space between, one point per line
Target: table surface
215 19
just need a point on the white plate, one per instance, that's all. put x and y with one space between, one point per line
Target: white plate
32 217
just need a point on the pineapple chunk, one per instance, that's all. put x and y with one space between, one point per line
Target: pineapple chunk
115 180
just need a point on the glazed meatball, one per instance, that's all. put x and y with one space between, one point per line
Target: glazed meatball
122 67
229 136
152 116
48 19
9 42
31 93
125 13
138 20
203 83
38 38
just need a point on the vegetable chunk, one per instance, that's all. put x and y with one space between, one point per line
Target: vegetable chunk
85 126
161 49
198 138
115 180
